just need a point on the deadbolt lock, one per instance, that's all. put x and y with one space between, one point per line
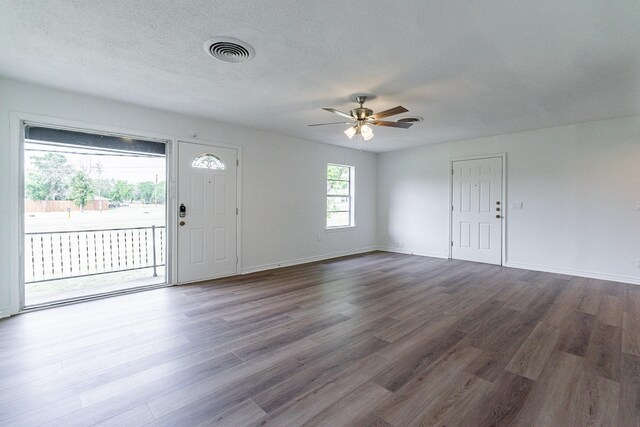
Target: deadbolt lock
182 223
498 209
497 216
498 202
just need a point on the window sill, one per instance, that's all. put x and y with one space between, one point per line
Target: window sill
343 228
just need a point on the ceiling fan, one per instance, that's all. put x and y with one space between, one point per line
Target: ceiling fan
360 118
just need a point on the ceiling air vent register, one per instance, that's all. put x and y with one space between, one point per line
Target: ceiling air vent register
228 49
413 119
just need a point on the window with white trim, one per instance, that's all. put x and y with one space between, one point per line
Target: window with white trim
340 189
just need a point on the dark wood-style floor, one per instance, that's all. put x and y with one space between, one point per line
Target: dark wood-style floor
379 339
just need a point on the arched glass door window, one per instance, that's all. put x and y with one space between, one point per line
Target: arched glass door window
208 161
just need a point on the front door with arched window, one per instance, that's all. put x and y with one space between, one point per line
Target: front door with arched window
207 212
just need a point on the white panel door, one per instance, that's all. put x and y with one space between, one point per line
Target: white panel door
207 188
476 225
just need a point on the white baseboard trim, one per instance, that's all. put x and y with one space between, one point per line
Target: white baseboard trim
5 313
570 272
306 260
579 273
412 252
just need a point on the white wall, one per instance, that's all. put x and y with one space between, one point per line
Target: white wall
579 185
283 179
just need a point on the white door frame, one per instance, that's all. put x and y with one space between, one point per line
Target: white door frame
174 228
502 156
17 121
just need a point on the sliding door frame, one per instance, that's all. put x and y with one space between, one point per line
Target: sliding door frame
17 123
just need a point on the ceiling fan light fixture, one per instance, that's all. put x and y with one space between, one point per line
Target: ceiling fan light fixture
366 132
351 131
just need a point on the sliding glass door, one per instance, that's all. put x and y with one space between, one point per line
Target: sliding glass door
94 214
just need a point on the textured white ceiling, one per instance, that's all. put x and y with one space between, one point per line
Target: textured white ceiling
470 68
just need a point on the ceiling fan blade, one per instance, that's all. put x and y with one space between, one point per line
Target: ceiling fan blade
340 113
332 123
390 112
391 124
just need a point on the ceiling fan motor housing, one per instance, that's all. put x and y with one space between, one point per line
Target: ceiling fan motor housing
361 113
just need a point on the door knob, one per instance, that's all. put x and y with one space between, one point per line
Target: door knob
498 216
182 223
498 202
497 209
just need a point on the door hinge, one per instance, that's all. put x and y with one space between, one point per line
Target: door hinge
451 171
237 259
236 211
237 162
452 243
452 208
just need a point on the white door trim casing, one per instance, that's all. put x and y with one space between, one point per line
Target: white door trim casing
503 157
16 189
16 215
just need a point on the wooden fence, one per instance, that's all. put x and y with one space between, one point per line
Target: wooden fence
62 205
